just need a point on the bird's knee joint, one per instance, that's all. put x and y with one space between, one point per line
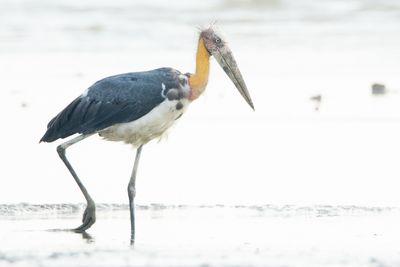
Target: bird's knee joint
60 150
131 190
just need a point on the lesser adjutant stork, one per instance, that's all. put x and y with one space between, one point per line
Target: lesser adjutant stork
137 107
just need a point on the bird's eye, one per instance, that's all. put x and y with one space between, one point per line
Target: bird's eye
217 40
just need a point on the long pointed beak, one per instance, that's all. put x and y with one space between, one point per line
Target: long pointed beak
226 60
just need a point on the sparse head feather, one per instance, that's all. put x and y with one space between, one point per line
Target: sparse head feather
212 40
211 26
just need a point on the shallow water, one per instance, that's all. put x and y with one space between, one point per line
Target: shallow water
288 51
220 235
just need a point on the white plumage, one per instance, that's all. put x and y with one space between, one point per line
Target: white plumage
152 125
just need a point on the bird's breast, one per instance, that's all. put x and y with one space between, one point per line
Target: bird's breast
152 125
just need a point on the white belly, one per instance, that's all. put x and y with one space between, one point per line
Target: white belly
152 125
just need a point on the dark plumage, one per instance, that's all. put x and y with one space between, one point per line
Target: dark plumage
115 99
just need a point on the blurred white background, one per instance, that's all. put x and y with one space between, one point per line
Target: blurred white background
220 151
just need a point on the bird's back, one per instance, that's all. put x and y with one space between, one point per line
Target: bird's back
112 100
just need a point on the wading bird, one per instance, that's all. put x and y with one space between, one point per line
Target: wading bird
137 107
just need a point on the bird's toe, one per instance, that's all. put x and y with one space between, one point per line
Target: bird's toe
85 225
88 219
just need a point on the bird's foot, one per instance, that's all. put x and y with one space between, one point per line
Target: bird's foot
89 218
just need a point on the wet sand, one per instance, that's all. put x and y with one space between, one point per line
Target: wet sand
202 236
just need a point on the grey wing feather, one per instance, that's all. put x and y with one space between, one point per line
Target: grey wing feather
116 99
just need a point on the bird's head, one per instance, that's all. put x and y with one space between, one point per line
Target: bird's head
218 48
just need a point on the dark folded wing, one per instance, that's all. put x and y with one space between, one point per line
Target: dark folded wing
116 99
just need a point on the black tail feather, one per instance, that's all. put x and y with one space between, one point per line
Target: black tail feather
66 123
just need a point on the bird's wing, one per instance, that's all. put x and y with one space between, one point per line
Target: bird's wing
115 99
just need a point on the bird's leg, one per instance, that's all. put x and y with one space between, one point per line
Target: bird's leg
132 193
89 216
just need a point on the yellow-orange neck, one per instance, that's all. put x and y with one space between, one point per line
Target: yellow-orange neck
198 81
